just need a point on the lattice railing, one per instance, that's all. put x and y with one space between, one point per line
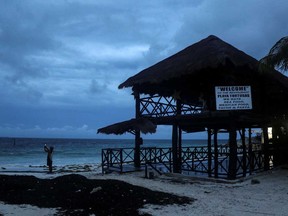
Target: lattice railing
158 158
116 159
190 109
194 159
159 106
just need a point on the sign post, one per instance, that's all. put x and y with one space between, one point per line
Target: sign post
233 97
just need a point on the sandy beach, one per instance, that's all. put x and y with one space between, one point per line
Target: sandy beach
87 193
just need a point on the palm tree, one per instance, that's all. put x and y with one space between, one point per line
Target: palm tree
278 55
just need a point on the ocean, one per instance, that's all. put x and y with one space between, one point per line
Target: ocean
27 154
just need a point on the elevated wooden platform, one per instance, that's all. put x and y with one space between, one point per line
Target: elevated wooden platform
209 86
195 160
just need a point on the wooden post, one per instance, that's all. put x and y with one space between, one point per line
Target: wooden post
209 153
277 153
175 148
275 146
215 153
137 161
177 142
232 170
138 141
265 145
250 153
179 149
244 152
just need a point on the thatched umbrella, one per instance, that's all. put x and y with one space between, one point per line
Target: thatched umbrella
132 125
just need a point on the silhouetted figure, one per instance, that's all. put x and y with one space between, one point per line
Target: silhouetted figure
49 157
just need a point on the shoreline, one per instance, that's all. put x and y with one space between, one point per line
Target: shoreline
261 194
70 168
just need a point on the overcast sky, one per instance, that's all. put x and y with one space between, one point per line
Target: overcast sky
61 61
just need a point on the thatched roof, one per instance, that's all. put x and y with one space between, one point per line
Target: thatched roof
210 52
202 59
142 124
194 72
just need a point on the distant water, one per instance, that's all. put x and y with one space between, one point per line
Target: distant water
28 153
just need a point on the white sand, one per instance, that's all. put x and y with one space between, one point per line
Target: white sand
25 210
269 197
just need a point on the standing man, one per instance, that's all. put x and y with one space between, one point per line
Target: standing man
49 156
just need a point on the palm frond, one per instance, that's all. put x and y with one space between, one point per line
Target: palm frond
278 55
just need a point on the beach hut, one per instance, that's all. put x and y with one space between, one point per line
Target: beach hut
211 86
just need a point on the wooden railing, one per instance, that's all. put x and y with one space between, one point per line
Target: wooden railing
194 160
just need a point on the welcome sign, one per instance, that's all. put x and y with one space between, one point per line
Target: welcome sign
233 97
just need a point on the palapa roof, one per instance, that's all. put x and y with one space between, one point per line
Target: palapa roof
142 124
210 52
196 70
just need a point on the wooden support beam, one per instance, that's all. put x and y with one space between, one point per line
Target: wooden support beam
209 152
177 142
179 149
216 153
232 169
266 150
250 152
275 141
138 140
244 158
175 155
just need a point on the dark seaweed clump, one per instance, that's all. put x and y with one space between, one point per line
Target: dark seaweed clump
71 194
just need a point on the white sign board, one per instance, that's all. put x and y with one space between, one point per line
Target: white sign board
233 97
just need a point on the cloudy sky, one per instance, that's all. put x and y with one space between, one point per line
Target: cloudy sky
61 61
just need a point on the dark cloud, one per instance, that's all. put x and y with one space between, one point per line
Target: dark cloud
97 87
250 26
61 61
